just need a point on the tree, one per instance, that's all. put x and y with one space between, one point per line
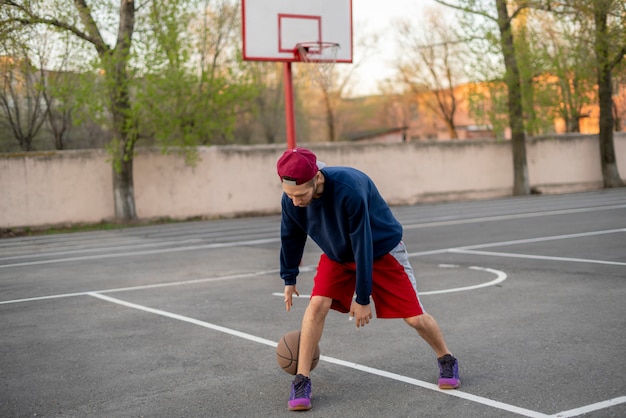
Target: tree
333 81
608 56
80 20
558 40
21 101
503 19
191 92
168 75
607 19
431 65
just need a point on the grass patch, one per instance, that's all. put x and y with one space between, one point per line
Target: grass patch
70 228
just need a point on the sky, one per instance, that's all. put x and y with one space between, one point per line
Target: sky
379 16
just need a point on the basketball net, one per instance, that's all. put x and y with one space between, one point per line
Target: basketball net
320 58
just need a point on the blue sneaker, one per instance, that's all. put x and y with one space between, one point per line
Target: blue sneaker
300 398
448 372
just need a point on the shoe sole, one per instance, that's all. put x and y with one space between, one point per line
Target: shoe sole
448 386
300 408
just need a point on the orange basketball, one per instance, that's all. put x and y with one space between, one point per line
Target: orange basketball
287 352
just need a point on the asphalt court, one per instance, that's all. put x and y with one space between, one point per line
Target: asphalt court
181 320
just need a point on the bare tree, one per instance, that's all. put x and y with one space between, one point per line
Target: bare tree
431 65
21 97
332 82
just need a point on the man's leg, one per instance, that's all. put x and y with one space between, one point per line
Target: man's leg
311 332
429 330
310 335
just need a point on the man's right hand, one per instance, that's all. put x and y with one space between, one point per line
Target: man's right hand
289 291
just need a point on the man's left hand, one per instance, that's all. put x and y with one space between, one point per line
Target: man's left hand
360 313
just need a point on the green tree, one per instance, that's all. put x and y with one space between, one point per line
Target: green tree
610 47
165 72
192 92
497 11
558 40
81 19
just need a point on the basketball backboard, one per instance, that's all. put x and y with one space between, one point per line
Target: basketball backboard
272 29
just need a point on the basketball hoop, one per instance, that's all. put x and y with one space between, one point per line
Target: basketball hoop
323 55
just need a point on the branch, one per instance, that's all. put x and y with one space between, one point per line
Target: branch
31 19
467 10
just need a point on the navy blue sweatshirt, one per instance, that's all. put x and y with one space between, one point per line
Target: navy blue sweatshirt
350 222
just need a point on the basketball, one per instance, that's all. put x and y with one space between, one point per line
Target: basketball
287 352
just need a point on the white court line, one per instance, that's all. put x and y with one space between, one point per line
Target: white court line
542 239
95 250
457 393
272 240
142 287
590 408
536 257
147 252
500 277
508 217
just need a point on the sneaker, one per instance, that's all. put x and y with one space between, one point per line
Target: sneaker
448 372
300 398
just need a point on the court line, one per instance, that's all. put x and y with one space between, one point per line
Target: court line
510 217
542 239
97 249
457 393
590 408
500 277
146 286
277 239
146 252
536 257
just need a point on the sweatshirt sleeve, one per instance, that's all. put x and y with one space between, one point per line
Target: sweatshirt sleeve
292 238
362 245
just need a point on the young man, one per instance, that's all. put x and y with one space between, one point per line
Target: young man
343 212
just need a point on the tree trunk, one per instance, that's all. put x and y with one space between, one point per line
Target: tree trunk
123 123
610 173
330 117
516 115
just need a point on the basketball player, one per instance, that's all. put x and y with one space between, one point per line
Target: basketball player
341 209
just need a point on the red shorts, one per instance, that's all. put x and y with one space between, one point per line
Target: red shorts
392 290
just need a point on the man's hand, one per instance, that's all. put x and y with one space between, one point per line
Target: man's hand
289 291
360 313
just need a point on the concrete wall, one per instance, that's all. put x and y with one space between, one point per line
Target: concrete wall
63 187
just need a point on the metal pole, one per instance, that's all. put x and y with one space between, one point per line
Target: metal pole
289 106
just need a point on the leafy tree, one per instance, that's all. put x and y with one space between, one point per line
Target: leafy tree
80 19
497 12
191 93
558 41
610 47
167 75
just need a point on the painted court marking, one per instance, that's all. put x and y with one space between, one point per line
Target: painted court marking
378 372
457 393
500 277
471 250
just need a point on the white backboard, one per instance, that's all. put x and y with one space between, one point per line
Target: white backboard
273 28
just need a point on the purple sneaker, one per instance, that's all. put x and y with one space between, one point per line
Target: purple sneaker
300 398
448 372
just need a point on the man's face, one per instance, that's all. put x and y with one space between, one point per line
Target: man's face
301 195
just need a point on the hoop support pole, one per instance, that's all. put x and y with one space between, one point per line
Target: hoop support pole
290 119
